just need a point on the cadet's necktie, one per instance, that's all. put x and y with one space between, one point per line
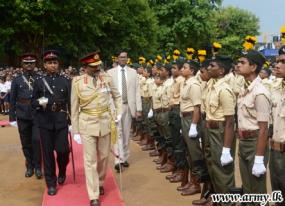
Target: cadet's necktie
246 85
95 82
124 87
215 81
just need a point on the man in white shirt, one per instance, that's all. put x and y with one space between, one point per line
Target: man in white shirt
127 82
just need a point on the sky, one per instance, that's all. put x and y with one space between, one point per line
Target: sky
270 14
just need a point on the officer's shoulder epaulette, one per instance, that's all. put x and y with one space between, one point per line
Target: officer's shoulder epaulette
64 77
77 78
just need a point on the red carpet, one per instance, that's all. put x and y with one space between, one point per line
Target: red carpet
4 123
75 192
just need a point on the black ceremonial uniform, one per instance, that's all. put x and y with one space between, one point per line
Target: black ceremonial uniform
20 109
53 124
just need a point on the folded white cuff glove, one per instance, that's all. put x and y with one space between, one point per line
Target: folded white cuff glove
226 157
14 124
77 138
70 129
119 117
193 131
150 114
258 166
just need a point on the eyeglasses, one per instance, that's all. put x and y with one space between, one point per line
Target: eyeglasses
123 57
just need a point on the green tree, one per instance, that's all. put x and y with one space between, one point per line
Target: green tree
230 26
76 26
183 23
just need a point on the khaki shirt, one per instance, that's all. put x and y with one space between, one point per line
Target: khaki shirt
279 115
238 83
230 79
147 88
253 106
275 94
141 80
198 77
166 92
191 95
156 97
205 90
266 83
81 93
175 90
220 101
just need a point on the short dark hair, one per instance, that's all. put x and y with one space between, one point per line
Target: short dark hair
121 51
196 69
149 70
226 67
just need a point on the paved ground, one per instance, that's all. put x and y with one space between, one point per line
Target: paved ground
142 183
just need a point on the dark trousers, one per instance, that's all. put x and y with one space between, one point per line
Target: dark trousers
54 140
30 141
175 126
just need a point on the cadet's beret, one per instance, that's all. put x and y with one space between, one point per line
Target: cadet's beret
50 54
224 59
29 57
205 63
281 50
254 56
167 67
92 59
179 62
158 65
193 63
268 71
136 65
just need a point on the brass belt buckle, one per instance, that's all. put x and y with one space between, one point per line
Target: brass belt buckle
53 108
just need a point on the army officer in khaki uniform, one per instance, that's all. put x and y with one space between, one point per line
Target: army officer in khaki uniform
91 92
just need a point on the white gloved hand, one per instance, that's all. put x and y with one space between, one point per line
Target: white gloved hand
258 166
119 117
180 131
193 131
77 138
226 157
13 124
150 114
70 129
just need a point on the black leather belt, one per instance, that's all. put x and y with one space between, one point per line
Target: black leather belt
55 108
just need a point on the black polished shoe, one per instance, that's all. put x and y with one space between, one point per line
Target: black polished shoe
61 180
94 202
39 174
125 164
52 191
101 190
118 167
29 173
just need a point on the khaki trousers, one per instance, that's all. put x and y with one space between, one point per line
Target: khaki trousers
122 146
96 152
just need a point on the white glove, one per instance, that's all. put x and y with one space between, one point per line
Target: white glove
13 124
193 131
70 129
258 166
180 131
226 157
77 138
119 117
150 114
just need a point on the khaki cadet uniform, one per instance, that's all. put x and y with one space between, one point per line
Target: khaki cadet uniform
230 79
277 143
147 85
93 123
220 102
253 107
238 83
266 83
174 117
198 77
191 95
141 80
